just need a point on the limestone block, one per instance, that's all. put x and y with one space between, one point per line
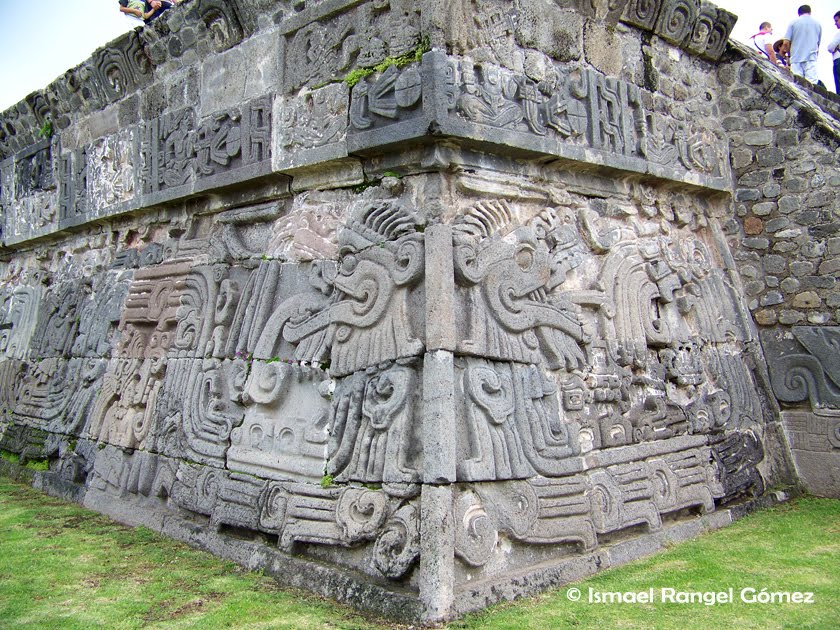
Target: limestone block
32 182
509 423
736 457
117 472
384 262
386 524
555 33
19 320
375 428
124 411
118 69
57 394
388 106
198 404
308 230
179 152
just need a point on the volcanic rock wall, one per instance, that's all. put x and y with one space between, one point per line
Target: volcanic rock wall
421 305
785 235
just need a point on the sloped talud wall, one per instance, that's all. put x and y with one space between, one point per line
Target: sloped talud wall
785 235
423 337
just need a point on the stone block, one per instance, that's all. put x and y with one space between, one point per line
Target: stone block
771 298
789 203
790 285
756 243
765 317
759 138
240 74
801 268
753 226
555 33
774 264
774 225
830 266
806 299
747 194
311 127
770 156
815 444
775 118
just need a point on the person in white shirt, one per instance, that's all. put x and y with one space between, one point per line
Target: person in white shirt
763 41
834 49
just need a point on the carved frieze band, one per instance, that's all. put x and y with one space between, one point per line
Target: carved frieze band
581 403
48 189
804 364
695 25
283 369
582 116
385 523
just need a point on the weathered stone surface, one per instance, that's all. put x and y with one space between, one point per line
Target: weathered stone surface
803 365
814 439
753 225
433 314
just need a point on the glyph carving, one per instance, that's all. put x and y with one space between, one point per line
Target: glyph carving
604 113
622 496
176 148
34 172
382 261
125 408
513 425
676 20
308 231
19 319
315 118
736 456
110 171
397 547
57 394
221 20
373 433
119 70
390 95
803 364
361 37
284 431
512 310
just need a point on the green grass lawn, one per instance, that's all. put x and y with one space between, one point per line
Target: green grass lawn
62 566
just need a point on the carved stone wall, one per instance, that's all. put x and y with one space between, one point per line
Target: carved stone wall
784 238
434 303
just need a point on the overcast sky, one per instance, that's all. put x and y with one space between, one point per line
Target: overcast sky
751 13
41 39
